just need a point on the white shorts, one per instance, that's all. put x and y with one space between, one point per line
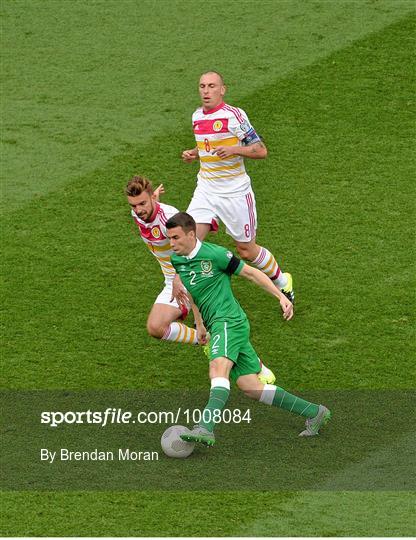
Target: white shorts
165 295
164 298
238 214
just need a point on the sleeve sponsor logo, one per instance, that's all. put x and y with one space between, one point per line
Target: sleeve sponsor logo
229 254
245 126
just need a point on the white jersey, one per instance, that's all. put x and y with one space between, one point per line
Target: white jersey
153 234
222 126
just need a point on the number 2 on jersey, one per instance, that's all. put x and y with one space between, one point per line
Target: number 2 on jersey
192 273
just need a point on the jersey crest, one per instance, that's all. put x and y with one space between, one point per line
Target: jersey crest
217 125
206 267
156 232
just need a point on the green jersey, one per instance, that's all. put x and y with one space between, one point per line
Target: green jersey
206 274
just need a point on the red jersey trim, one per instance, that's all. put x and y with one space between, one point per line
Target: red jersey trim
217 108
210 127
235 112
153 216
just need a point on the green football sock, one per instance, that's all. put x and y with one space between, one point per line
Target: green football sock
217 399
291 403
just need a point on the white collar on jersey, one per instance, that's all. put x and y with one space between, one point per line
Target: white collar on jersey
194 252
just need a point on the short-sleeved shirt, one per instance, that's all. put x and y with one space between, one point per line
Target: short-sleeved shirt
223 126
206 274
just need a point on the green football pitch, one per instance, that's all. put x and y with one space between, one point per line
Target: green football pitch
96 91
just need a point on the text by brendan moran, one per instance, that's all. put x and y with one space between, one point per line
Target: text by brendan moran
122 454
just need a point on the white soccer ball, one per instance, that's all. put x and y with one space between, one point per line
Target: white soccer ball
173 445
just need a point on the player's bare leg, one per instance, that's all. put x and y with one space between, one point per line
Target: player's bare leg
202 229
261 258
163 323
251 386
316 415
220 367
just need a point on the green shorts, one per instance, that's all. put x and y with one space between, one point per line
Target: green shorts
232 340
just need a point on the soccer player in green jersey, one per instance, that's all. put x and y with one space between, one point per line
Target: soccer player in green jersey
205 270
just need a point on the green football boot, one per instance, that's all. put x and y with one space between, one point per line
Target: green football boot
201 435
313 425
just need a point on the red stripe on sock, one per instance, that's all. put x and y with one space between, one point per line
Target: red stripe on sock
277 274
260 257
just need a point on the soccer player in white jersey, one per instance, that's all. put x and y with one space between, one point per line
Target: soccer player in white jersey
150 215
224 137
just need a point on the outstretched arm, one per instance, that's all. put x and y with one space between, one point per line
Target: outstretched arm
260 279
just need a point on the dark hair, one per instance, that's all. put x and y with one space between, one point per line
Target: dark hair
137 185
182 219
